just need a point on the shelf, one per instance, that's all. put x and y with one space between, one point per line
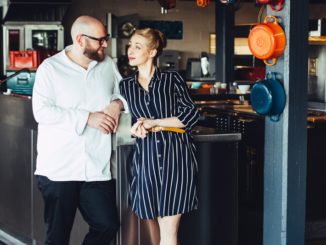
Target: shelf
317 40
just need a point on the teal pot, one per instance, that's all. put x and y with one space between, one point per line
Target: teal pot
268 97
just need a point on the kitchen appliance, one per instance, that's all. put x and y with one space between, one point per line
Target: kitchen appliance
41 37
267 41
169 60
193 69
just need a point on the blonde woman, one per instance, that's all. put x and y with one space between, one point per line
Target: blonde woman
164 165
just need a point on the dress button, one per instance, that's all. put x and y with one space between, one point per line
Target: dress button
157 141
159 155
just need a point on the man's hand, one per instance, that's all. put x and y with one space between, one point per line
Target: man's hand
102 122
113 110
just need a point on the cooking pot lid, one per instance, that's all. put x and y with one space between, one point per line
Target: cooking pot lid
261 41
261 98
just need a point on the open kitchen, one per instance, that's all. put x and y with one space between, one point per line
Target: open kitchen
255 70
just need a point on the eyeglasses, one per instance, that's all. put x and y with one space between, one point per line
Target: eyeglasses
100 40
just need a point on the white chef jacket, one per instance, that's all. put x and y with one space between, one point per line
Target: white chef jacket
64 94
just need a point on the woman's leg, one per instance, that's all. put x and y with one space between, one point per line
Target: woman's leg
169 226
153 230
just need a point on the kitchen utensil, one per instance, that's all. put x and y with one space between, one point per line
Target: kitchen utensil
267 41
244 88
275 5
202 3
268 97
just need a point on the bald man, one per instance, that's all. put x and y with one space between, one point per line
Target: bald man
77 104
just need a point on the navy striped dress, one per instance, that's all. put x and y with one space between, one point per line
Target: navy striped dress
164 164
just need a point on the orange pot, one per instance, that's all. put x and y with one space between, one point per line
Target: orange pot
267 41
202 3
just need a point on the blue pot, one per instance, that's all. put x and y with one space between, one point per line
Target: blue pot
268 97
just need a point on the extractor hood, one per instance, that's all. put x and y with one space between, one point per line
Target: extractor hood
34 10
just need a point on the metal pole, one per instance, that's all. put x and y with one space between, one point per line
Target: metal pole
224 42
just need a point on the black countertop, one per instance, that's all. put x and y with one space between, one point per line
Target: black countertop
206 134
221 96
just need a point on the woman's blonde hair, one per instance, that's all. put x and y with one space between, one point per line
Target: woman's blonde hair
156 39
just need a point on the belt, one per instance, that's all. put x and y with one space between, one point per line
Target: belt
158 129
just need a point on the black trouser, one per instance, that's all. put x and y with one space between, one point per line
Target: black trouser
95 201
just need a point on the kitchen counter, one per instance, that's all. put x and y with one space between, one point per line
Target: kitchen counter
21 211
206 134
234 108
196 96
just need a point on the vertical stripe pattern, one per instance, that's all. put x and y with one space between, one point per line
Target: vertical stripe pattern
164 165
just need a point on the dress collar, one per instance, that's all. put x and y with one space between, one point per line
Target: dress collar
156 75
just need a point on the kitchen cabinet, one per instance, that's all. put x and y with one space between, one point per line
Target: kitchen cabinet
21 206
251 169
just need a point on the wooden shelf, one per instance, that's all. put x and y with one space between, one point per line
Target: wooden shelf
317 40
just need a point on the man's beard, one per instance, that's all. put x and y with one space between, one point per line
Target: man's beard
94 54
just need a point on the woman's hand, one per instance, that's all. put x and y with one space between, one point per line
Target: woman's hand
138 130
148 123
